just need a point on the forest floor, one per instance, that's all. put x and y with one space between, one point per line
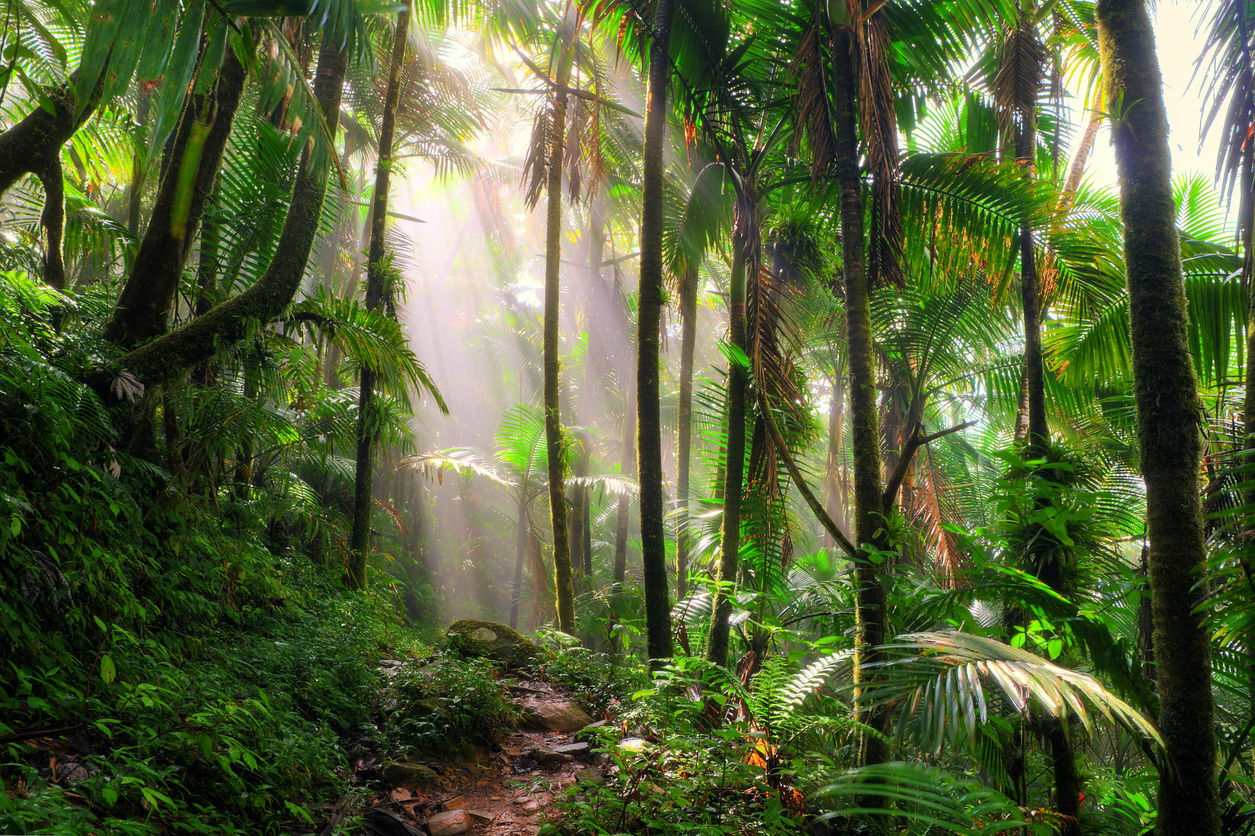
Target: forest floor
508 792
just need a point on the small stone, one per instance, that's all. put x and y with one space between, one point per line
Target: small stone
456 803
589 732
400 794
632 744
532 806
452 823
401 771
573 749
549 757
482 817
589 775
560 716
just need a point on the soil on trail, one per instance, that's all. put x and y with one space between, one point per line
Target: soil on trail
503 793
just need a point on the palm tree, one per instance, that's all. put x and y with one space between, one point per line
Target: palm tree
648 408
1167 417
377 270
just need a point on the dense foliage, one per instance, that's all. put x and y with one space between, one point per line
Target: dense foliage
845 445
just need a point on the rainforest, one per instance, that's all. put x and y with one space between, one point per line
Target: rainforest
562 417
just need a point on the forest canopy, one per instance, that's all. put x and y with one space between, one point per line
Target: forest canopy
777 370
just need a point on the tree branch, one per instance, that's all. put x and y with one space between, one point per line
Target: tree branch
818 509
908 453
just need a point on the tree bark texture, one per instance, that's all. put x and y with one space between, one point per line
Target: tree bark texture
648 404
870 615
200 140
52 221
553 418
684 443
200 339
1168 417
34 143
376 281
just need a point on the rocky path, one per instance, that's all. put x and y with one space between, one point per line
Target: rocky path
504 793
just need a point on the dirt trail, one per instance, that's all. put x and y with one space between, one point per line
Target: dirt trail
503 793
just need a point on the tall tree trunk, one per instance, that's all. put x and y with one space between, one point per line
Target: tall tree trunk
1168 416
870 615
624 510
200 339
52 220
199 142
734 467
376 280
553 418
836 495
520 555
648 406
684 444
592 365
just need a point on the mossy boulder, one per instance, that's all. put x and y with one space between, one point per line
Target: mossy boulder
488 640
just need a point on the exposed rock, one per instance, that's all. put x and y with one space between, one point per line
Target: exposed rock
589 732
561 716
573 749
632 744
452 823
482 817
589 775
456 803
548 757
398 772
493 641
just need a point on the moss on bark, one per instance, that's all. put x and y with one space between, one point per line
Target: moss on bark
870 598
228 323
648 405
1168 416
143 308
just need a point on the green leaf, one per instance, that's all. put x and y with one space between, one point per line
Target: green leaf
107 670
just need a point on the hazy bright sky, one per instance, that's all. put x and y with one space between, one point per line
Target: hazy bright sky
1176 22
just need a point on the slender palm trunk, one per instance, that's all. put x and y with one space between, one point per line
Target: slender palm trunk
624 509
734 468
870 615
376 286
1168 416
553 418
688 343
648 406
520 555
836 429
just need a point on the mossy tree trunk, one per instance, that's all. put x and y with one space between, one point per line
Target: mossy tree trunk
226 324
1168 418
648 404
199 142
33 144
552 366
870 615
377 267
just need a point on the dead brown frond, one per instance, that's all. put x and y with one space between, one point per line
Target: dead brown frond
814 107
1017 84
536 162
880 128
